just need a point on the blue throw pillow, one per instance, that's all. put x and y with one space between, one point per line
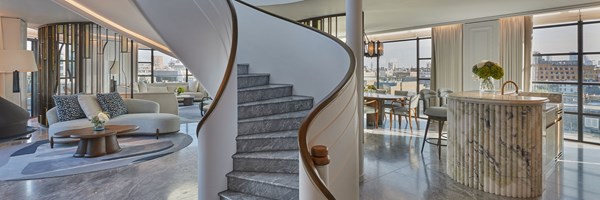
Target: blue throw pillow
112 103
68 108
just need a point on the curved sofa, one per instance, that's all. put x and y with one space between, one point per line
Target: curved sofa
142 113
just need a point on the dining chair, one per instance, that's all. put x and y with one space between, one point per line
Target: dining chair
406 108
387 104
371 107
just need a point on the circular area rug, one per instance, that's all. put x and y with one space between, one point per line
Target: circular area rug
37 160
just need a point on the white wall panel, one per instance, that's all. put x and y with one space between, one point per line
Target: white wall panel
480 42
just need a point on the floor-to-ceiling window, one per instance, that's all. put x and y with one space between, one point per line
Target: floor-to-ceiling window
155 66
145 65
566 59
404 66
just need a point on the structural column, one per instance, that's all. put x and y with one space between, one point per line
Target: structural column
354 39
13 36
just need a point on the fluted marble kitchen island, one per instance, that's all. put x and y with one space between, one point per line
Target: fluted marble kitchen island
495 143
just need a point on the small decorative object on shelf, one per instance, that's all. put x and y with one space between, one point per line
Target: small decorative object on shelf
179 90
99 120
485 71
370 88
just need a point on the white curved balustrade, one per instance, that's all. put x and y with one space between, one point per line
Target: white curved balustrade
202 35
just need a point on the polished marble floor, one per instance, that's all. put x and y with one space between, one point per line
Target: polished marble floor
394 168
173 176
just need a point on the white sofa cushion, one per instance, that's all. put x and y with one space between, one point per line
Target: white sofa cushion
157 89
193 86
167 101
68 125
172 88
149 122
135 86
89 105
143 87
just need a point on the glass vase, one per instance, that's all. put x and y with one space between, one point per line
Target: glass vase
486 85
98 127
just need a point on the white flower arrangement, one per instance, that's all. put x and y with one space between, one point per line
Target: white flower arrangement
99 120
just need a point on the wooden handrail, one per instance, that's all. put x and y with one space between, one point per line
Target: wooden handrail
302 133
230 63
320 155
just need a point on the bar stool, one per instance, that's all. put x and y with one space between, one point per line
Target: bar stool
443 95
436 113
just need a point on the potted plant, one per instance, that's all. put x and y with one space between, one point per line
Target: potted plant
179 90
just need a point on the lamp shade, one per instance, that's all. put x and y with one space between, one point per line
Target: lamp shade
370 49
379 48
17 60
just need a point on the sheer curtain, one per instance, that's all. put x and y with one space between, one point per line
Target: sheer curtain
515 50
447 58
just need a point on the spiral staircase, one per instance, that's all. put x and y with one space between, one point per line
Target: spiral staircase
254 140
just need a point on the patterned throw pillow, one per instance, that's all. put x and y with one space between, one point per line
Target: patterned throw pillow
112 103
68 108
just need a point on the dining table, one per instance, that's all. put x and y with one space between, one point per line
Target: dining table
381 98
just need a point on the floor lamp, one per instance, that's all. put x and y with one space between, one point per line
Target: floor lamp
13 118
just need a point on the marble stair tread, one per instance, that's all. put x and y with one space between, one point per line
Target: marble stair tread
285 180
264 92
233 195
264 87
268 155
298 114
253 75
274 106
271 141
271 135
277 100
253 80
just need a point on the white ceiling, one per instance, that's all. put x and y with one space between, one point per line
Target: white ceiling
394 15
37 12
381 16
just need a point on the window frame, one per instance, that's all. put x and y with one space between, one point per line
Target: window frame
579 83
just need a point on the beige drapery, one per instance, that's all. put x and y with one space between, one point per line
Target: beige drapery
515 50
447 57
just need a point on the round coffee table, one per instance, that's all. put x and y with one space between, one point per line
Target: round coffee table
97 143
187 100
